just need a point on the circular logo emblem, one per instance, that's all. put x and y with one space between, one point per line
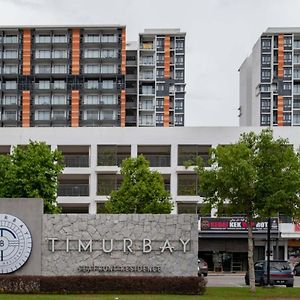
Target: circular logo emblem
15 243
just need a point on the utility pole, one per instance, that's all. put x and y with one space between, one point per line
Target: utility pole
268 251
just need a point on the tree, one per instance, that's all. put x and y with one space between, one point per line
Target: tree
257 175
142 190
31 171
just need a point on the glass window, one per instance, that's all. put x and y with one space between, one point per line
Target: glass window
179 74
287 86
92 53
109 53
108 69
107 84
42 115
10 100
179 104
10 69
59 99
11 38
159 103
160 72
160 43
10 53
91 115
287 72
109 38
91 99
296 118
109 99
60 53
59 114
146 120
147 60
92 84
265 104
178 119
146 104
11 85
287 57
44 84
42 69
266 59
287 41
92 38
59 69
59 84
179 44
92 69
59 38
159 118
146 74
42 54
10 115
265 119
43 38
42 100
287 103
265 44
147 90
107 114
160 87
160 58
179 88
287 117
266 74
179 59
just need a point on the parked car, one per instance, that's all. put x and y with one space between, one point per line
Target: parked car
297 269
202 267
280 273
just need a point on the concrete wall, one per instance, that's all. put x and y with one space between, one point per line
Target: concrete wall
63 257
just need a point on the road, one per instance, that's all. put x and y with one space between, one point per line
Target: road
234 280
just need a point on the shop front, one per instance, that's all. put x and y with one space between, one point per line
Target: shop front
223 242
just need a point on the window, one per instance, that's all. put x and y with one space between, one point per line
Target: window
147 90
178 119
59 99
297 89
42 69
92 84
296 43
42 115
42 54
266 59
160 58
160 72
179 104
146 104
179 44
108 69
179 59
287 57
92 53
59 84
179 88
10 115
107 84
265 104
297 73
266 74
160 87
160 43
92 38
43 38
10 69
287 103
265 88
44 85
109 53
146 74
107 114
296 118
59 38
159 118
159 103
287 72
59 114
179 74
287 117
11 38
10 100
287 41
287 86
11 85
10 54
59 53
42 100
59 69
91 99
265 119
109 38
266 44
147 60
146 120
92 69
109 99
91 115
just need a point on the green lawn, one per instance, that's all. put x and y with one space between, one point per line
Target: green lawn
212 293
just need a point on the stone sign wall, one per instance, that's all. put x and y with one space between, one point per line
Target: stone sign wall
160 245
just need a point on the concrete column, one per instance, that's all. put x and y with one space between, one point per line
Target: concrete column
173 178
286 254
133 150
93 175
93 208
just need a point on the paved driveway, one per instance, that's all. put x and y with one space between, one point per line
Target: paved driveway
234 280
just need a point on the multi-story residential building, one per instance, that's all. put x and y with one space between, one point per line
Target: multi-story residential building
93 156
270 80
76 76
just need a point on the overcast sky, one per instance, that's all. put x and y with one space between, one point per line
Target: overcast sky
220 34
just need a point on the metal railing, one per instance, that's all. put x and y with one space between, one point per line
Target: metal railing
68 189
76 161
158 160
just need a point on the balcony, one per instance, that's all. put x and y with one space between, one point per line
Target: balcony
157 155
76 161
108 183
73 190
188 185
188 154
112 155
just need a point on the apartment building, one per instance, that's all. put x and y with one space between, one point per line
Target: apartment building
270 80
76 77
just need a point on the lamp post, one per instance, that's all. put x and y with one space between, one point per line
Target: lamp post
268 251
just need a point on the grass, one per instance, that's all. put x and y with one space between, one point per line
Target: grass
212 293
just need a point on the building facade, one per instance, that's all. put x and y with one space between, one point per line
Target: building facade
270 80
76 77
93 156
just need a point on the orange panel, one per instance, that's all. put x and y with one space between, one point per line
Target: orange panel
26 109
167 56
123 61
75 108
166 111
280 55
26 51
123 107
75 51
280 111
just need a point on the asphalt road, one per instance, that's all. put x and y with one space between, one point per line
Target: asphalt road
234 280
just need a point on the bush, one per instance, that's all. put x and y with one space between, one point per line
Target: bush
103 284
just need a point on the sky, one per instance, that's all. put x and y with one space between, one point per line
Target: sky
220 34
